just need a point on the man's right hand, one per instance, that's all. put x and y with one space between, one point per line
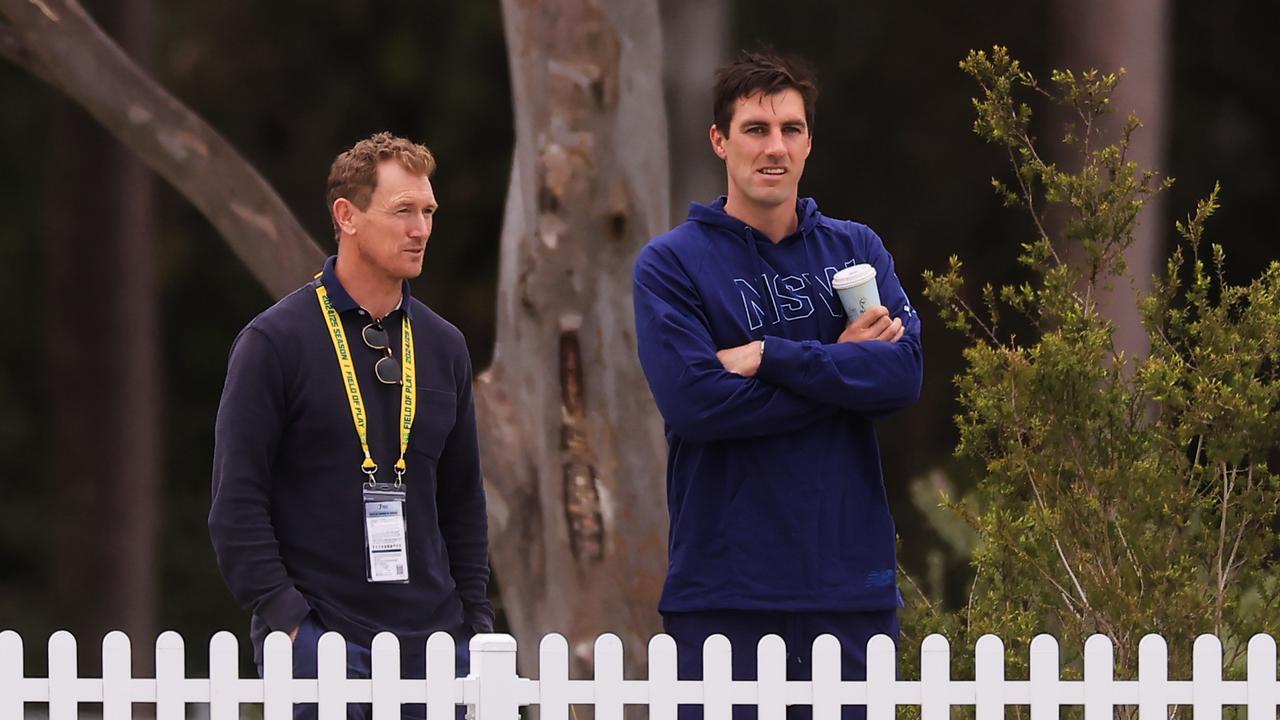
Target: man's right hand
874 324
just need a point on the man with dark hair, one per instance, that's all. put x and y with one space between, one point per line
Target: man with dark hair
779 521
347 492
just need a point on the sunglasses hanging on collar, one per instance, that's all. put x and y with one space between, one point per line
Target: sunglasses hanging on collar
387 368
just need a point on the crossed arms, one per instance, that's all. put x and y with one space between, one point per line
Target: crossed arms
707 393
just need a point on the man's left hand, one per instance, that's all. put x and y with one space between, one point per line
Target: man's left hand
743 360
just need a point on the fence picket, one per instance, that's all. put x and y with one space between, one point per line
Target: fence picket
825 669
935 678
117 676
278 693
608 677
1206 678
385 679
11 675
224 677
717 674
1045 698
771 674
442 668
988 675
553 677
662 678
1099 678
881 678
1153 678
1264 693
63 695
331 675
171 674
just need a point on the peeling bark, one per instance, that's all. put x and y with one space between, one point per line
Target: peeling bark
581 481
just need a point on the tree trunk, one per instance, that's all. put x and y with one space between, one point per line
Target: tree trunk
1133 35
57 41
573 448
695 41
103 369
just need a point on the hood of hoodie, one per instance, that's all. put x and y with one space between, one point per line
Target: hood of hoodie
714 215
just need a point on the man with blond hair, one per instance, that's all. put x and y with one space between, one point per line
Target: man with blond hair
347 492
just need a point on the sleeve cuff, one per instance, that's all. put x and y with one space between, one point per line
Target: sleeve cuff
285 610
479 619
783 361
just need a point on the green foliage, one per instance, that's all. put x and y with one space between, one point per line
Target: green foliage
1118 495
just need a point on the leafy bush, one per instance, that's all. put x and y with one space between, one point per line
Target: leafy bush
1118 495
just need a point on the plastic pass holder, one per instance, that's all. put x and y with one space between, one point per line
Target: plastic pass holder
385 535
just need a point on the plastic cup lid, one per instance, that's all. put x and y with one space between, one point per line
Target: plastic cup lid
853 275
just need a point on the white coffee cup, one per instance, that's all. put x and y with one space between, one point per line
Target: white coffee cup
856 286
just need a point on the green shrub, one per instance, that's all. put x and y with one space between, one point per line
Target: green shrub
1117 495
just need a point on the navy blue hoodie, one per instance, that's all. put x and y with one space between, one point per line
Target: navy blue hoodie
773 483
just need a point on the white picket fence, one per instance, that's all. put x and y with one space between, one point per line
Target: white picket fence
494 691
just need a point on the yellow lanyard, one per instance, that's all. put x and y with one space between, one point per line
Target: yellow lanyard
408 397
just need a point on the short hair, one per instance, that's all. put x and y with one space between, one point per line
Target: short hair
354 173
761 71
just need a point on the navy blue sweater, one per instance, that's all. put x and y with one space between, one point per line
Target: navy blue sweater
287 518
773 483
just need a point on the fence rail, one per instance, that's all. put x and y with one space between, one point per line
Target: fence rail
494 691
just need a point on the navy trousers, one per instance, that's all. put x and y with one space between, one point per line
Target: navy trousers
413 664
744 628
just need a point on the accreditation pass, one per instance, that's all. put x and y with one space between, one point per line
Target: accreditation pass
384 532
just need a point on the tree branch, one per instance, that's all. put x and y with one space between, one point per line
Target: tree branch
1220 599
933 610
1031 478
15 51
58 42
1133 559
